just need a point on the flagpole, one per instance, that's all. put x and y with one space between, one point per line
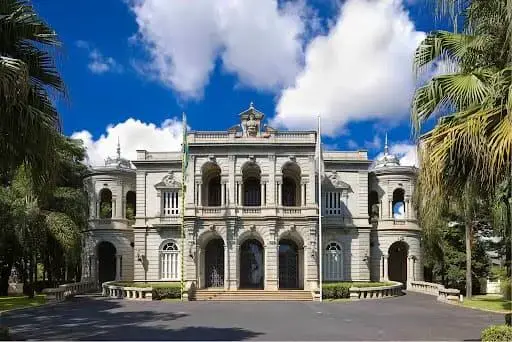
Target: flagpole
320 244
184 160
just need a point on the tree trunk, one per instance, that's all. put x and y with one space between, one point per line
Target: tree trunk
469 283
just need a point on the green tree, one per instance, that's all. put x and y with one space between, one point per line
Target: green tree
470 147
29 80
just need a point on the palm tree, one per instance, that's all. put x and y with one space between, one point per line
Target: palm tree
29 82
471 144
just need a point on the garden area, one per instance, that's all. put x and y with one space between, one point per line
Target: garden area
19 302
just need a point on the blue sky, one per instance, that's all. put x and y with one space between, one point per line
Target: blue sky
132 68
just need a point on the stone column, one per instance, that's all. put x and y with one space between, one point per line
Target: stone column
118 267
390 208
407 208
262 194
279 194
222 194
303 191
226 266
199 194
385 260
271 259
381 208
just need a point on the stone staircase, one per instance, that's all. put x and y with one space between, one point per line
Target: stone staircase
253 295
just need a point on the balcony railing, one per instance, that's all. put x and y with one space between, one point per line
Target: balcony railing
169 219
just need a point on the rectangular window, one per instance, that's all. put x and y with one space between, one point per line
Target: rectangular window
170 203
336 203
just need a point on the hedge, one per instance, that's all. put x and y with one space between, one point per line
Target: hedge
342 289
497 333
336 290
169 291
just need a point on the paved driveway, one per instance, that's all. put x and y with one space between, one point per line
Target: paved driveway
410 317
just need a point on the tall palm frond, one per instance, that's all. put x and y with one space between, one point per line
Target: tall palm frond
29 81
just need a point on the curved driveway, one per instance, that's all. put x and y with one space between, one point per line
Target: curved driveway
410 317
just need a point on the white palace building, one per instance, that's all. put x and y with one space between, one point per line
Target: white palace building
251 214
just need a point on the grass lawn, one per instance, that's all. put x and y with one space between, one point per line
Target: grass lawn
16 302
489 302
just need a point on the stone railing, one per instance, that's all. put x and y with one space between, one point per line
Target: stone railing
65 291
251 210
376 292
110 289
291 211
443 294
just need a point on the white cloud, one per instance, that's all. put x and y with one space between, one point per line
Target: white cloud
133 134
98 63
257 40
361 70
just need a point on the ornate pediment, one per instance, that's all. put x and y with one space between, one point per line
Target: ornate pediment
169 182
335 181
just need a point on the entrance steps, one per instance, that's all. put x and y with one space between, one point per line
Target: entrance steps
253 295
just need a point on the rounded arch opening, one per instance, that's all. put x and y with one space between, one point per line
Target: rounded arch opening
214 262
333 261
105 203
373 206
211 174
290 262
251 177
398 203
252 264
291 194
397 261
169 260
106 252
130 205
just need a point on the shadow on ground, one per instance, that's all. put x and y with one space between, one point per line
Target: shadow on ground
87 318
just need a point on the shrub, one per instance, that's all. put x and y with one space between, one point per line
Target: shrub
336 290
167 291
497 333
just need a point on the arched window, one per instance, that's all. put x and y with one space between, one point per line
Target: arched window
398 204
251 175
130 205
291 189
169 261
211 196
333 263
105 204
373 206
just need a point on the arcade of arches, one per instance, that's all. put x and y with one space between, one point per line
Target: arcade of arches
251 258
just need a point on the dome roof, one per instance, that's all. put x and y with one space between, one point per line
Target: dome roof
118 161
387 159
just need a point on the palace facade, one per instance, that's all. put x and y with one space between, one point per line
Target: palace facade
251 214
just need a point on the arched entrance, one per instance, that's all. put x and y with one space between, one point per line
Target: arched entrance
106 261
397 262
288 264
252 267
214 263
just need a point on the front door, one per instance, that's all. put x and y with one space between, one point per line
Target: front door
288 265
214 263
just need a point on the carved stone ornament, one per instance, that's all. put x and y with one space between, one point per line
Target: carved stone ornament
336 181
212 227
169 182
292 158
293 228
253 228
211 158
252 126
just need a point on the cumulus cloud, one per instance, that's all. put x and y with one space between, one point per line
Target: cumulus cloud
259 41
360 70
133 135
98 63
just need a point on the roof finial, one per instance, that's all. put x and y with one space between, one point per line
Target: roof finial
118 149
386 149
251 105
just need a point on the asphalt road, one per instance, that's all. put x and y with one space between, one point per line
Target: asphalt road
410 317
